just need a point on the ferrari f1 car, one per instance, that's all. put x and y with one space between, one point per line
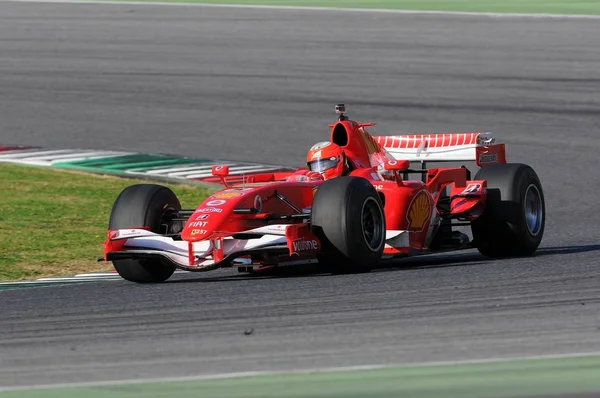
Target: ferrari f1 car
346 224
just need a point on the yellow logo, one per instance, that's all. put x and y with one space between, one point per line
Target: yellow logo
419 212
226 195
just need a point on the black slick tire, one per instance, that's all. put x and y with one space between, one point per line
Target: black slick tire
143 205
347 216
513 220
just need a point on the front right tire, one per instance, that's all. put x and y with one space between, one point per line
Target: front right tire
347 216
513 220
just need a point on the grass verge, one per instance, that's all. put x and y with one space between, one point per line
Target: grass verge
52 222
506 6
557 377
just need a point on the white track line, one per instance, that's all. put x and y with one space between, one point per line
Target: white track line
91 277
76 279
57 281
27 154
296 371
233 171
320 9
81 155
190 167
182 171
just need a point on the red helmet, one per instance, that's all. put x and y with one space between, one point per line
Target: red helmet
326 158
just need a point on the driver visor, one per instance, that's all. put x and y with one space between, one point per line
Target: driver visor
322 164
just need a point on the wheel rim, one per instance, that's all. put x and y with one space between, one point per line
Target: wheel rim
372 224
168 226
534 211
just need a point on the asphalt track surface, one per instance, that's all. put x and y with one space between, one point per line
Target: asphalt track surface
260 85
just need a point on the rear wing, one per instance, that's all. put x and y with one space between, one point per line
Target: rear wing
446 147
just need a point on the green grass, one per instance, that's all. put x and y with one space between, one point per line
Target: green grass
504 6
539 377
52 222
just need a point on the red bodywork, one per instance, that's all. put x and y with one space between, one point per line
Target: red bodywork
411 206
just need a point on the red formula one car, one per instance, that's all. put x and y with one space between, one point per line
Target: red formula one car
347 223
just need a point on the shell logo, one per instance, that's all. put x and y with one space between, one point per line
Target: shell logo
226 195
419 212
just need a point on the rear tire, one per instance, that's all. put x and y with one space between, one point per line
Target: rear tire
143 205
513 220
348 218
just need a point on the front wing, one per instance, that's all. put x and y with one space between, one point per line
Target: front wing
287 243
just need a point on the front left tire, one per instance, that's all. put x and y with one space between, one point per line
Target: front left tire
143 205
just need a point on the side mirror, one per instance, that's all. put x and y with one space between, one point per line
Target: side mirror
396 165
221 172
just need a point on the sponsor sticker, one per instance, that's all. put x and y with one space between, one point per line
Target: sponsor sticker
275 228
227 195
202 217
485 140
472 188
209 210
419 212
258 203
316 155
491 158
198 224
128 233
304 245
218 202
198 232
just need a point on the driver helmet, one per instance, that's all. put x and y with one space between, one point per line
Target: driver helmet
326 158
